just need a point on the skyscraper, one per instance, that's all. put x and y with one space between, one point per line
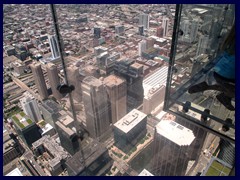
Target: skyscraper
54 80
75 79
132 72
141 30
160 32
171 149
144 20
117 92
142 46
165 24
96 32
97 107
30 107
202 44
54 46
194 30
68 137
39 80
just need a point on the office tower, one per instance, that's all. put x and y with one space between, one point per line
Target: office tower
160 32
119 30
144 21
141 30
97 107
75 79
102 59
132 72
95 161
154 90
39 80
171 149
50 111
142 46
214 35
130 129
66 132
54 80
149 42
26 128
30 107
96 32
165 24
49 146
194 30
185 26
54 46
202 44
117 92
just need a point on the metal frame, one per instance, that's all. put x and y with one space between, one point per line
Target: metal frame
170 100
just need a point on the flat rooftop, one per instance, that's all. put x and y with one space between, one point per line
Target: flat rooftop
145 173
156 80
22 120
130 120
175 132
92 81
15 172
113 80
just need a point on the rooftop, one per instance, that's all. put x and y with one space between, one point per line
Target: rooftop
175 132
156 80
145 173
113 80
15 172
21 120
130 120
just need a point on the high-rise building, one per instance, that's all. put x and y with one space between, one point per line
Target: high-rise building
97 107
160 32
97 32
54 46
171 149
165 25
75 79
132 72
144 20
30 107
154 89
54 80
128 130
66 132
194 30
50 111
26 128
150 42
117 92
141 30
39 80
202 44
142 46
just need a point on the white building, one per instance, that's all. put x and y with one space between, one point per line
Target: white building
165 25
144 20
142 46
54 46
30 107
